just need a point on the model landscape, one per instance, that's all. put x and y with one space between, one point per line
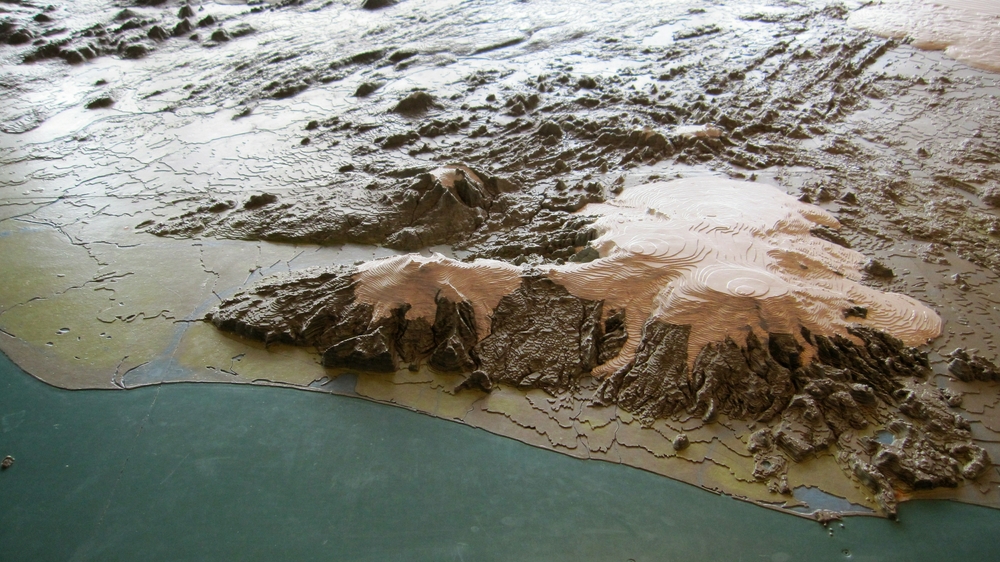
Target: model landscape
750 248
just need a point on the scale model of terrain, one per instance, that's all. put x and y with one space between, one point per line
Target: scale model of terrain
753 248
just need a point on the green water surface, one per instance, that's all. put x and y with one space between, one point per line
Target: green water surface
228 472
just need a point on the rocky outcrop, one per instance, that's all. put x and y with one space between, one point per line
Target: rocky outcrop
655 384
313 308
971 367
725 378
881 362
443 205
542 337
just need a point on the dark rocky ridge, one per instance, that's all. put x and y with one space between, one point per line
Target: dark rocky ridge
423 212
846 388
971 367
551 348
543 337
